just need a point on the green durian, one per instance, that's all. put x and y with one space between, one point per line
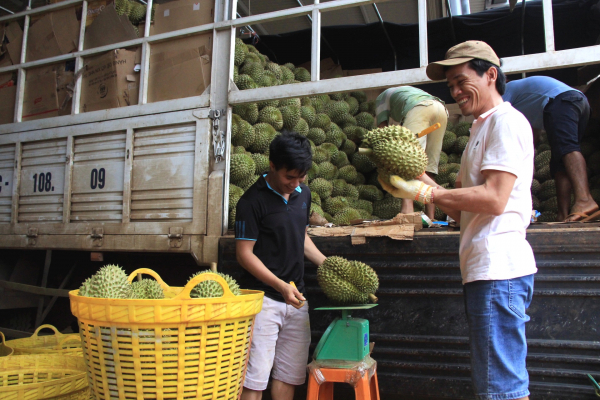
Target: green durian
346 282
212 288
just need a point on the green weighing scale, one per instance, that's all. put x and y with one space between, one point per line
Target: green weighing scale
346 338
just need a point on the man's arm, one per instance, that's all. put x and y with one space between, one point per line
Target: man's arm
252 264
454 214
311 252
489 198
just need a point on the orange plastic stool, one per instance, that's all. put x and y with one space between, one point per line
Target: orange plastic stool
321 380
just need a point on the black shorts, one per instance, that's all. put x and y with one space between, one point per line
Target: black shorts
565 119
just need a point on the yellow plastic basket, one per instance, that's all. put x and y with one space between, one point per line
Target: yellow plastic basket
43 376
59 343
4 349
175 348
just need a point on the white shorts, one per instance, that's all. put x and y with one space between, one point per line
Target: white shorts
422 116
280 345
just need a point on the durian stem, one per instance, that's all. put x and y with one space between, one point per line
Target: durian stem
373 298
364 150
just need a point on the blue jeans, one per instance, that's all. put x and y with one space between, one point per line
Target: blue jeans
496 314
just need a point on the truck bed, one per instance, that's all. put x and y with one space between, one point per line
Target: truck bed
420 330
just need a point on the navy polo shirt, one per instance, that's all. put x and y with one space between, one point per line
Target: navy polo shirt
278 227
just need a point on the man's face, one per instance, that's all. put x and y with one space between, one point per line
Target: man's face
472 93
287 180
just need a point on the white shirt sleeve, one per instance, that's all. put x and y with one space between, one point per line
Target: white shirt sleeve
506 146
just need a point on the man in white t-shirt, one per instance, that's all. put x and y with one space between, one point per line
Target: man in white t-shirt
492 202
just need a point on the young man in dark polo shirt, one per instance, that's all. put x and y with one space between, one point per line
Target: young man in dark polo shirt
271 244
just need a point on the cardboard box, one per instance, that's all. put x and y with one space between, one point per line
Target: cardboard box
110 81
40 100
8 93
94 9
109 28
181 14
14 35
181 68
54 34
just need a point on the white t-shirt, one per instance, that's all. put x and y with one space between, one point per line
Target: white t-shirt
494 247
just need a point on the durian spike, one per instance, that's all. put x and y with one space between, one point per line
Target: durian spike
366 151
427 131
373 298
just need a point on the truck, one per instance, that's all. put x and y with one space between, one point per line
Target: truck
143 180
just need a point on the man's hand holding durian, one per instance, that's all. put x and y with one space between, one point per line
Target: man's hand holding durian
413 189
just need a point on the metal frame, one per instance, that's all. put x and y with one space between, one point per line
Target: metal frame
223 93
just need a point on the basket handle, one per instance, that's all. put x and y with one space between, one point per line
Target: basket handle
185 293
2 336
150 272
56 332
69 338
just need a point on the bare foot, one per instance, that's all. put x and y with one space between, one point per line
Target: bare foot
579 208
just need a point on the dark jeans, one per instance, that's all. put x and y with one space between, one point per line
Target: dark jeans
565 119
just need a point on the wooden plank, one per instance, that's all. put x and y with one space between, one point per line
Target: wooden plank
42 291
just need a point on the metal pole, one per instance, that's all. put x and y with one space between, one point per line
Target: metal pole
423 33
548 24
145 67
40 310
451 18
6 9
337 59
315 46
387 36
523 75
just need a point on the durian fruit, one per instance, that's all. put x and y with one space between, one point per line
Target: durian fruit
287 76
317 135
348 173
110 282
137 13
244 82
350 192
312 172
348 147
275 69
248 112
360 204
340 160
262 163
309 114
241 167
327 171
460 144
334 205
365 120
334 135
448 142
353 104
235 194
322 121
247 182
346 216
245 135
347 282
264 135
294 101
271 116
253 69
240 52
147 289
542 159
543 173
369 192
322 187
290 115
550 205
315 198
301 74
321 155
388 207
443 158
462 129
363 163
547 190
396 151
338 187
212 288
301 127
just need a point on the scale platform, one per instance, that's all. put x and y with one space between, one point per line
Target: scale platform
346 338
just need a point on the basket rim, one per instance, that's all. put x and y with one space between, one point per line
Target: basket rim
247 295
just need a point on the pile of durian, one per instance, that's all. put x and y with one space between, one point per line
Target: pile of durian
543 188
110 282
136 12
347 282
343 182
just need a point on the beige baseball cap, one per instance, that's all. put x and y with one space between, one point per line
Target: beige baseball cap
462 53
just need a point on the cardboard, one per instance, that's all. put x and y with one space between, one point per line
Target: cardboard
180 14
94 9
7 76
40 99
54 34
109 28
8 93
401 227
14 35
109 81
180 68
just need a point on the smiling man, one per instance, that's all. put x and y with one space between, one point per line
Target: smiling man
271 244
492 201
